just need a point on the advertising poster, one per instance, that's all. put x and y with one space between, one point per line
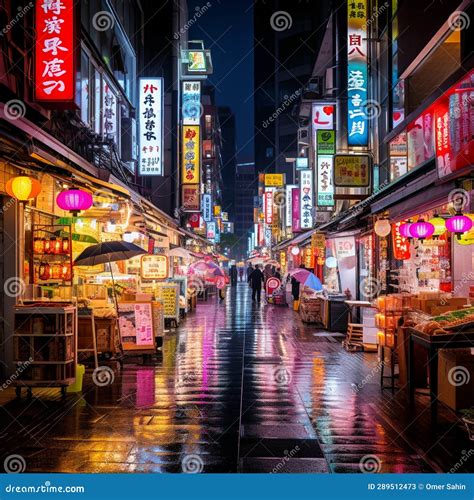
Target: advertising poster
191 158
306 199
191 103
136 324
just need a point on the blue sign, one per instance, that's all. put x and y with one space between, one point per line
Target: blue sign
357 121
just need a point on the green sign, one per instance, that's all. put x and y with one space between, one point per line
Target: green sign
326 142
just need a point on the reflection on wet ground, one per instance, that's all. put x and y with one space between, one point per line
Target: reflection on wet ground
237 388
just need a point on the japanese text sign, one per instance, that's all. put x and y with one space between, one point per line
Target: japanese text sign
325 167
150 126
307 198
191 161
357 76
351 171
55 51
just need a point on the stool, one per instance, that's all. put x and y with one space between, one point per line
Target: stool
353 341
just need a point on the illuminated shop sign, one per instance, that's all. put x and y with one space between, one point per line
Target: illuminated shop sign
55 47
351 171
268 206
191 197
191 103
207 207
323 118
191 162
275 180
325 187
357 80
306 198
288 206
151 126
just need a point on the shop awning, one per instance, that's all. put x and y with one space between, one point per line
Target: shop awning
296 240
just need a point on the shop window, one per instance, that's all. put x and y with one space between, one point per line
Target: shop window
398 156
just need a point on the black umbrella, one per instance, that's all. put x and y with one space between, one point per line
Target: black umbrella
110 251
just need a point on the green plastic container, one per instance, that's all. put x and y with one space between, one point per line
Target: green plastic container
77 385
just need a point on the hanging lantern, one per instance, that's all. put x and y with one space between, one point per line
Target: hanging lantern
23 188
382 228
421 229
405 230
74 200
439 225
295 251
65 246
459 224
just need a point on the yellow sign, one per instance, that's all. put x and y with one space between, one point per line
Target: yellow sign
318 241
275 180
190 160
351 171
169 297
217 210
283 259
154 267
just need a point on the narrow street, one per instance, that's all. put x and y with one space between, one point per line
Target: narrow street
239 388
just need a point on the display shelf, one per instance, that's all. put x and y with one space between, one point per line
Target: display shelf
45 346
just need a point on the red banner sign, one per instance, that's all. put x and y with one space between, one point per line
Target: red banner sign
55 51
401 245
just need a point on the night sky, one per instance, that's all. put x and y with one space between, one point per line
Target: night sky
227 29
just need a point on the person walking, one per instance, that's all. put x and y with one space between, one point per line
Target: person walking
241 273
249 270
256 279
233 275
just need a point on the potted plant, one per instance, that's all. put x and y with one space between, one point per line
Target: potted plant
468 419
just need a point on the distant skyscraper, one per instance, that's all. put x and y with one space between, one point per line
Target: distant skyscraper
245 190
227 124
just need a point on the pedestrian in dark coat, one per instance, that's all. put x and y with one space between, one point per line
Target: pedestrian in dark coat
233 275
256 279
249 270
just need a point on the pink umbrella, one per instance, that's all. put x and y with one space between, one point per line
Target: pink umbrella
307 278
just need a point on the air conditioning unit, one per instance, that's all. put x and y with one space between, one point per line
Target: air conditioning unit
313 89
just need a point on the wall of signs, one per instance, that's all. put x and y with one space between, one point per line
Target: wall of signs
325 187
306 198
357 76
191 103
150 126
55 72
191 159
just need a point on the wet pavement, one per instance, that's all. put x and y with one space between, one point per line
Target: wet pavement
237 388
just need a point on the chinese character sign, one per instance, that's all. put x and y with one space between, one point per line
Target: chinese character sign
275 180
191 161
151 126
191 103
295 209
401 245
288 204
211 230
325 185
306 199
268 206
190 197
357 121
351 171
55 47
207 207
110 111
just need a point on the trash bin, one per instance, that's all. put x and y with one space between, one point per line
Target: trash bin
77 385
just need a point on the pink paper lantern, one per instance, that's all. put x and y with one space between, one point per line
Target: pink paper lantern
421 229
74 200
405 230
459 224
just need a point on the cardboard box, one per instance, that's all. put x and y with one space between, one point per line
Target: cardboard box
456 378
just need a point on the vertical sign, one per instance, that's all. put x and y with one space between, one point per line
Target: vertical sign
268 206
211 230
325 168
110 111
191 104
295 209
151 126
207 207
288 205
306 199
323 115
191 160
357 76
55 51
